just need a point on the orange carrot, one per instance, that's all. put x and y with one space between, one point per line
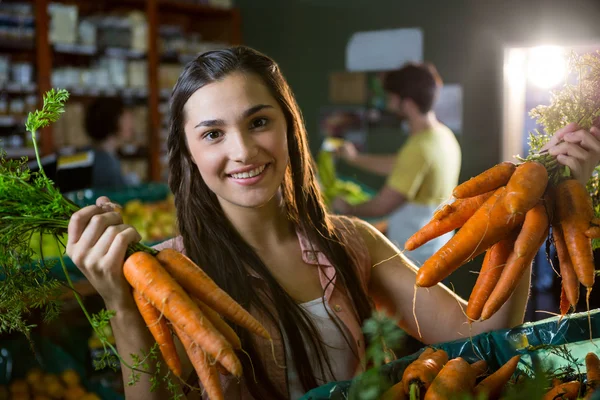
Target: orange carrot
568 390
593 232
490 179
456 378
145 274
159 328
424 370
564 305
570 283
221 325
592 366
526 187
493 385
574 212
455 216
479 367
531 237
493 264
207 373
490 224
396 392
200 285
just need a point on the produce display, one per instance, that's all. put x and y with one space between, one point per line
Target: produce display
174 296
332 186
154 221
38 385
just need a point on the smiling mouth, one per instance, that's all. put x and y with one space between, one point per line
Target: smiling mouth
249 174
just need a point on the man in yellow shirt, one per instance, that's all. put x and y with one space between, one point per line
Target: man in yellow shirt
424 171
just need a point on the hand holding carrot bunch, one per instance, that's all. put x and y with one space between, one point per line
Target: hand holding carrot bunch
507 212
170 292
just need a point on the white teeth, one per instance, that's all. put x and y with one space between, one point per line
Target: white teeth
249 174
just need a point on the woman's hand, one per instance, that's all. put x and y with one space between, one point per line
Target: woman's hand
97 242
576 148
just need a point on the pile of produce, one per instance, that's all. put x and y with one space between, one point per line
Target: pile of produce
173 294
432 376
154 221
508 211
39 385
332 186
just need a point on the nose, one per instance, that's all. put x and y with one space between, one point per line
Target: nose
243 148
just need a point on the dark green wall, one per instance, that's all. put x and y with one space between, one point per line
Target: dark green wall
463 38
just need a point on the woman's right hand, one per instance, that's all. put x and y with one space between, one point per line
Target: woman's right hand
97 242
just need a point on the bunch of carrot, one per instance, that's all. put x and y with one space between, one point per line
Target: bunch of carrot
174 295
507 212
432 377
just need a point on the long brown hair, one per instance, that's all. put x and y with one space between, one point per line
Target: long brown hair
211 241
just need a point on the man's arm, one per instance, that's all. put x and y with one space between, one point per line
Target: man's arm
380 164
386 201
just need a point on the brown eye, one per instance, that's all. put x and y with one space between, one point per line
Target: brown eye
259 123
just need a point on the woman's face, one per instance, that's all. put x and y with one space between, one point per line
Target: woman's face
236 134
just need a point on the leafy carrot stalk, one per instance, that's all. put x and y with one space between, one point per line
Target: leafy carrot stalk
490 224
423 371
456 378
455 216
220 324
574 212
491 269
493 385
207 373
526 187
396 392
570 283
145 274
592 366
157 324
199 284
531 237
568 390
488 180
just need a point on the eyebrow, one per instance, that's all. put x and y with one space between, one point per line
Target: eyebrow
247 113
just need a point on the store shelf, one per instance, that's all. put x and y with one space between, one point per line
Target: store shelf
7 121
132 93
18 88
197 9
18 152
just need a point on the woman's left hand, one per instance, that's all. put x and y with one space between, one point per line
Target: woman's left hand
576 148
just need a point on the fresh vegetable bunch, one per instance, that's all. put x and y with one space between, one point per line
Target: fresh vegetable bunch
432 376
507 211
171 292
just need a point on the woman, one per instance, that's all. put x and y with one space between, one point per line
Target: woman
250 214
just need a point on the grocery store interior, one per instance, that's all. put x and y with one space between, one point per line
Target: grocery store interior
504 75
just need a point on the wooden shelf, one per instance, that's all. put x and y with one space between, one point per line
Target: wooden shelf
17 88
196 9
216 24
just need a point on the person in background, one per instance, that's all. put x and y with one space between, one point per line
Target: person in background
423 172
109 124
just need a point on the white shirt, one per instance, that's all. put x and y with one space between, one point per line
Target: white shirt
342 358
